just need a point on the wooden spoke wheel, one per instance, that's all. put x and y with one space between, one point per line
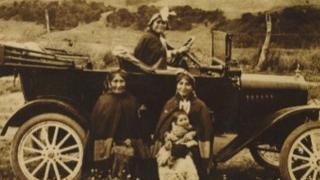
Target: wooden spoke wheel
300 154
48 146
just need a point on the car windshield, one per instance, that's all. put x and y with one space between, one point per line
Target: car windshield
219 45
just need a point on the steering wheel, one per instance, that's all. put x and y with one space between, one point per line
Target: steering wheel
194 59
190 41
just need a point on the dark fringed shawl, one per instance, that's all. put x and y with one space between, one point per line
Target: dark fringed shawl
115 116
114 119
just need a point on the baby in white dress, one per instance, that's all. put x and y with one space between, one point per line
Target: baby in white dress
174 158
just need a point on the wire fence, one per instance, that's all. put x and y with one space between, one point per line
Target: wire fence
304 41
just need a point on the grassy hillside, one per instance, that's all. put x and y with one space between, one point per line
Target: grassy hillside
22 31
98 41
95 29
293 27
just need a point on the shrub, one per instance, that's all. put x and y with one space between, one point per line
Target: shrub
180 24
121 17
292 27
144 14
315 61
65 16
186 16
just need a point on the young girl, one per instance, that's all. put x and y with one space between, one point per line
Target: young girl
174 157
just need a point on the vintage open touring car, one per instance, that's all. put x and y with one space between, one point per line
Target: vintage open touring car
269 114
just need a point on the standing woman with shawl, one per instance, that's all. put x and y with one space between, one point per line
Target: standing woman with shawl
115 125
186 99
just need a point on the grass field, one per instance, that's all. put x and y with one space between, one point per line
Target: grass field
97 40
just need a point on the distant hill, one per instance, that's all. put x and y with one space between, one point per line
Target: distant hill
293 26
232 8
296 26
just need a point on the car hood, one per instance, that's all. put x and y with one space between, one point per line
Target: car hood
259 81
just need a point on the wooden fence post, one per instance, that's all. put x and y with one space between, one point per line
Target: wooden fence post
47 20
266 44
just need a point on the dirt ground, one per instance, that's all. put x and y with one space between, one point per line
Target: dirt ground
9 102
239 167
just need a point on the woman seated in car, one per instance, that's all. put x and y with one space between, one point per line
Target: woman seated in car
152 51
152 48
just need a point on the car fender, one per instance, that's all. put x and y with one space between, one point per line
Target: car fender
271 121
44 105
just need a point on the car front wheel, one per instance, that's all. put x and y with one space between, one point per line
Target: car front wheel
48 146
300 154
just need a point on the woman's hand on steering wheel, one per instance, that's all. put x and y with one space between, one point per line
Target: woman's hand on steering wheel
187 46
184 49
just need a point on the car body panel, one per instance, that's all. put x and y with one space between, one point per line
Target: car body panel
44 105
262 95
271 121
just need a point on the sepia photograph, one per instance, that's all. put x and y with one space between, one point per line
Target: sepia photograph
159 90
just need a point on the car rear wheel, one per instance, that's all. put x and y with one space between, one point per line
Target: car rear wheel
48 146
266 156
300 154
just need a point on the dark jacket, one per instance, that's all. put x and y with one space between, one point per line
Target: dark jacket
150 50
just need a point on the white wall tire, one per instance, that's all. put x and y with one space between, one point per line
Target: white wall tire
300 154
48 146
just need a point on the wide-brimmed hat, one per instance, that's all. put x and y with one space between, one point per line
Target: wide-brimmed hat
163 15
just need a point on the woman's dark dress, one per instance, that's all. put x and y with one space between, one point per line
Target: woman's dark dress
150 50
